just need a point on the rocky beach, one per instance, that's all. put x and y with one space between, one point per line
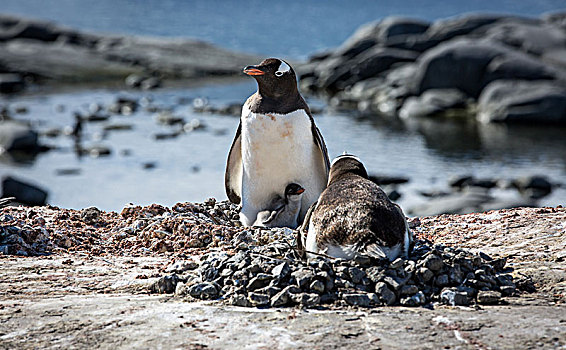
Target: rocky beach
492 68
191 268
462 121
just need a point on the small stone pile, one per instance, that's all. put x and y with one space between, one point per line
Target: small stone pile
255 266
272 276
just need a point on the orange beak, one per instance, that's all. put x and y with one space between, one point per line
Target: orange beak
253 70
300 191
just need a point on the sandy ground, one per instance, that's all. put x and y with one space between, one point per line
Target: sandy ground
78 300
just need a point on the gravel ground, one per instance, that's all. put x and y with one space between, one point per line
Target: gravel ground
91 279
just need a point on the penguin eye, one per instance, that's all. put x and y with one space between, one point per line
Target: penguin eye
278 73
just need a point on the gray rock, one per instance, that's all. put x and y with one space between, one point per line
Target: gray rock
257 299
540 102
375 273
508 290
536 186
203 290
534 38
15 136
456 275
10 83
446 29
453 297
259 281
488 297
408 289
281 271
385 294
356 299
90 215
269 290
425 274
305 299
434 263
442 280
240 300
367 64
458 64
303 278
79 56
165 284
557 19
394 282
317 287
283 297
434 102
24 192
179 266
394 26
397 263
355 274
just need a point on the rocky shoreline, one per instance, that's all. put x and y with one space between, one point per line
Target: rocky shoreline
492 68
484 266
40 51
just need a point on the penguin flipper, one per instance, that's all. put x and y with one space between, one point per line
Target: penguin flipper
233 174
321 146
303 230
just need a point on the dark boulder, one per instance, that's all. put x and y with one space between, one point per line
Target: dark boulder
535 102
557 19
10 83
434 102
446 29
16 136
365 65
469 65
394 26
517 65
528 37
457 64
14 27
24 192
536 186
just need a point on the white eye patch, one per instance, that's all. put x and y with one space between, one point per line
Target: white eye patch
283 68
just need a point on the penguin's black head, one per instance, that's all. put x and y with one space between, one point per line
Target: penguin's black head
346 164
293 189
275 77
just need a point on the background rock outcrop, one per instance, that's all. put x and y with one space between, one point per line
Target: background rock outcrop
397 64
40 50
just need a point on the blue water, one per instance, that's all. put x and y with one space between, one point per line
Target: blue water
290 29
191 167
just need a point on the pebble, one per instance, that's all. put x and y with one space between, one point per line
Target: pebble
489 297
357 299
203 290
165 284
385 294
259 267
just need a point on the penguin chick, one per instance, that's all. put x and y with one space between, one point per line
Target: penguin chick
286 210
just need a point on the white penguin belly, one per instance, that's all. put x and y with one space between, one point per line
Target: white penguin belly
277 150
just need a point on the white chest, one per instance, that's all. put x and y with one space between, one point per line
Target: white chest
275 141
276 150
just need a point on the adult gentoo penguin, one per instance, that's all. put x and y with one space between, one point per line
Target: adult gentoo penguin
277 143
354 216
284 211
